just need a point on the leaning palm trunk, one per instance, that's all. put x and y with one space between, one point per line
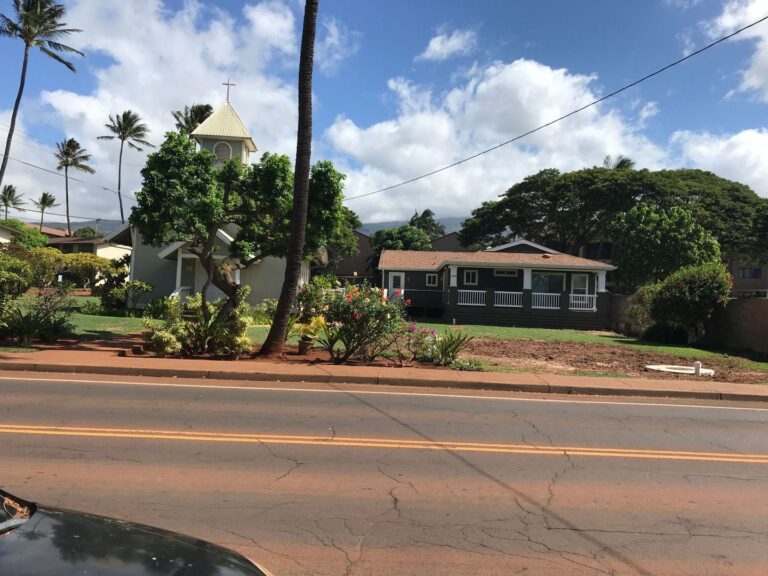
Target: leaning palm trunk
120 180
66 197
15 113
275 342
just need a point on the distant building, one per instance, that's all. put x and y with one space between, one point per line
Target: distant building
749 280
96 245
449 243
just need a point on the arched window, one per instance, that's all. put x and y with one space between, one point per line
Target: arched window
223 151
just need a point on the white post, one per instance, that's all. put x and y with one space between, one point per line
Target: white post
527 278
454 276
178 268
601 281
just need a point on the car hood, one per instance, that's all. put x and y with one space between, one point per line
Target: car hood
56 542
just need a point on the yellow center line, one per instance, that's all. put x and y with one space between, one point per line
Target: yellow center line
144 434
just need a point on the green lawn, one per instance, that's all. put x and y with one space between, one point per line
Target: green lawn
89 327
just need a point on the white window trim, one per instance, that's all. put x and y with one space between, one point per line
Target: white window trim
505 272
573 284
228 146
429 277
477 278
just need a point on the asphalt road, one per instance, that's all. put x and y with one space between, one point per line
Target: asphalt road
360 480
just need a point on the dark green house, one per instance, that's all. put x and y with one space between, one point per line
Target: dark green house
517 284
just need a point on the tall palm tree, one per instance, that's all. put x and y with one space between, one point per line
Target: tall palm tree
619 163
128 128
10 198
275 342
191 117
46 200
38 24
70 155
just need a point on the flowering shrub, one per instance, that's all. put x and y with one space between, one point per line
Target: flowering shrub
312 297
359 322
414 343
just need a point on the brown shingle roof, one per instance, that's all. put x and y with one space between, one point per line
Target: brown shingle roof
418 260
48 231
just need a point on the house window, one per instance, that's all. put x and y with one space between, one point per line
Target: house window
580 284
505 272
750 273
223 151
470 277
432 280
548 282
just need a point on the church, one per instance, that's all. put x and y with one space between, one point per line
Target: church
172 269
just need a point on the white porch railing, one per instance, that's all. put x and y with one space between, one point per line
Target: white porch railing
586 302
546 300
508 299
471 298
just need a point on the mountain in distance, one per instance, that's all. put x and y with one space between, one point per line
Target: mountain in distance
104 227
451 223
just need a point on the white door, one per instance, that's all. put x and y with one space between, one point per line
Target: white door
396 284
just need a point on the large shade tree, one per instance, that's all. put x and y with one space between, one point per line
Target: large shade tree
191 117
129 129
404 237
69 154
11 198
185 197
275 341
46 200
38 24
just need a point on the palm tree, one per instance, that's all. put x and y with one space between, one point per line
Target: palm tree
70 155
128 128
275 342
46 200
191 117
620 163
38 24
10 198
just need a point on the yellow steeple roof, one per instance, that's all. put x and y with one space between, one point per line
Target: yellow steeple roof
225 123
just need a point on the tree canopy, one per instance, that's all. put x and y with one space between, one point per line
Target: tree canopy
650 243
426 221
404 237
85 232
185 197
570 210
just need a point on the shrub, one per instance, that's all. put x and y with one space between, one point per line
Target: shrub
312 297
666 334
15 277
28 237
264 312
45 317
414 343
84 269
448 347
689 296
156 308
639 309
359 322
45 264
91 308
468 365
111 288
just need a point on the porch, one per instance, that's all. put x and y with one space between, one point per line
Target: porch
535 300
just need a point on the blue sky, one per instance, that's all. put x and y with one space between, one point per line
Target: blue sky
403 87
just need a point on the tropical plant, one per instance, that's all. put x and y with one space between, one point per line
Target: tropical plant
70 155
86 232
404 237
37 23
426 221
45 264
46 200
129 129
191 117
15 277
10 198
619 163
46 317
448 347
415 343
264 311
26 237
275 341
111 288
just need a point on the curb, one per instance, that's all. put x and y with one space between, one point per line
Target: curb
534 387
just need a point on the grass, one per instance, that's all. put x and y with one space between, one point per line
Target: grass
610 339
89 327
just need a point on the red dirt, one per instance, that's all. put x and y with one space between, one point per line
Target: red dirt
580 357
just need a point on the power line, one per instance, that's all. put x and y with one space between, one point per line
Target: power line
49 171
49 213
561 118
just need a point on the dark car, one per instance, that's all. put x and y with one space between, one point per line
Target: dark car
40 541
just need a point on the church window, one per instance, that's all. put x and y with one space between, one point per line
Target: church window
223 151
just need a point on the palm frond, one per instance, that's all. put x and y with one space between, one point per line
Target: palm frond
62 48
51 54
105 137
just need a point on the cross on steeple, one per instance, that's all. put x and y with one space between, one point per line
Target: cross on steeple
227 84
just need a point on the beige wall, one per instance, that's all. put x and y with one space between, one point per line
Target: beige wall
111 251
742 325
5 236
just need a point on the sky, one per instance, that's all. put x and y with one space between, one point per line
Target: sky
402 88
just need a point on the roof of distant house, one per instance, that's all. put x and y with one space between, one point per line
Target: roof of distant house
225 123
76 240
47 230
423 260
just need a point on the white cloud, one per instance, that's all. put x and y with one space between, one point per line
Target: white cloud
648 111
335 45
164 60
686 39
742 156
492 104
444 45
737 14
682 4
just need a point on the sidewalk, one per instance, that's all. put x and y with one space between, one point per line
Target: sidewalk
104 360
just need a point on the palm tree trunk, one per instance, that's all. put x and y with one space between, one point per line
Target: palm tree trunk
66 197
16 105
275 343
42 214
119 180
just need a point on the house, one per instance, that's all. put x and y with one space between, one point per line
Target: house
517 284
6 234
449 243
354 268
96 245
173 269
48 231
749 280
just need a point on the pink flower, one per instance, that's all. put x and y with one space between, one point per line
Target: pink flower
357 315
349 298
407 301
397 292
